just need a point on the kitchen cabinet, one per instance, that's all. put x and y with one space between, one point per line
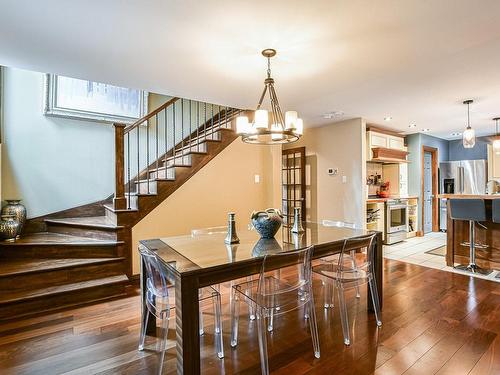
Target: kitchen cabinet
493 164
397 175
376 139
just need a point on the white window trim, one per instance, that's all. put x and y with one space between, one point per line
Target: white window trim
50 107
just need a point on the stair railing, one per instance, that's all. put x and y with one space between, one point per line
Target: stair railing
163 137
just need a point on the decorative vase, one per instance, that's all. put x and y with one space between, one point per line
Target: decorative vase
9 227
267 222
15 208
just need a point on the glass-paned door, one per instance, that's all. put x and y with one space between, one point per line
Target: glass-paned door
293 179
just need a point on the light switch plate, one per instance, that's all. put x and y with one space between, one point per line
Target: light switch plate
257 178
344 179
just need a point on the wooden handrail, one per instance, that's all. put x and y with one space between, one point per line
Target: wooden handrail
150 115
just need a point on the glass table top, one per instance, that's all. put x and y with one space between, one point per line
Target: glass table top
187 253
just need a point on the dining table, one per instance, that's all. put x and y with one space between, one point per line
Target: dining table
203 260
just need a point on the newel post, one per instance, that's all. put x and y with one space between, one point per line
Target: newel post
119 200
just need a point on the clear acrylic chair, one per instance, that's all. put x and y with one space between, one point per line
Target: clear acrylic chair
342 276
328 291
270 296
160 301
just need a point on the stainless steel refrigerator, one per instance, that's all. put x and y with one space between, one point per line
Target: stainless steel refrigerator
460 177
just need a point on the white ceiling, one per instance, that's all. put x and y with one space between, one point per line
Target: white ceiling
414 60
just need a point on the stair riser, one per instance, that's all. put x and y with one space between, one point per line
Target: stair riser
59 251
163 173
144 187
34 280
60 301
94 233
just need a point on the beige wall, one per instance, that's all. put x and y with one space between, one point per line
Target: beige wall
340 145
226 184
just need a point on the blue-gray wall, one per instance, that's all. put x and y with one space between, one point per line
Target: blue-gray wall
458 152
415 143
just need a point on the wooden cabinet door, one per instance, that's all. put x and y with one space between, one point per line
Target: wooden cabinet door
396 142
493 164
378 140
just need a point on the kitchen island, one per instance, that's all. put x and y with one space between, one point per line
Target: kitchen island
458 233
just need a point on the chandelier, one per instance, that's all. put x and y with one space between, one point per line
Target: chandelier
270 127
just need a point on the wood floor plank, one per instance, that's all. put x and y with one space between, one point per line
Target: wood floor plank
434 322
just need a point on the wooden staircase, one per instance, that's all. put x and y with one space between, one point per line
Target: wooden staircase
84 254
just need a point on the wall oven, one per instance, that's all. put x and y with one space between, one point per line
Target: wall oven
396 220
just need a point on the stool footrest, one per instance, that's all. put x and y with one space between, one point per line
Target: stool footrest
476 245
473 268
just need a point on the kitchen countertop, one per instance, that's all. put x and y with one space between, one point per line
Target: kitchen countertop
469 196
382 200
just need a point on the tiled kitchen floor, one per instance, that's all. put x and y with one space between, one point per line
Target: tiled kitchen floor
414 251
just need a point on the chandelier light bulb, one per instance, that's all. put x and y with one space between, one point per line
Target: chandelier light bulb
299 126
290 119
261 119
242 125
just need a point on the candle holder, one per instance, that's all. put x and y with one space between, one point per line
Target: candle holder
231 237
297 221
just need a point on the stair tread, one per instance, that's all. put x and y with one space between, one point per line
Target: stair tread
49 238
15 296
11 267
93 221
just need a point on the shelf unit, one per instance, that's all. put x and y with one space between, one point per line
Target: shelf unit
378 208
412 217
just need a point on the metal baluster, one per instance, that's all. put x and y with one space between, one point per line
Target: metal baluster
156 136
173 144
166 140
198 126
190 123
147 155
128 180
212 120
138 161
182 132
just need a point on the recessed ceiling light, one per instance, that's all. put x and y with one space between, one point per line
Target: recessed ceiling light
425 130
456 134
333 114
412 125
388 118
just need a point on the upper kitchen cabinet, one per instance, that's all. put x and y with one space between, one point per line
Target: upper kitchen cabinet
493 164
385 146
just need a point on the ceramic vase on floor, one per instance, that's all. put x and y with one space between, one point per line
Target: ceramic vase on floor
16 209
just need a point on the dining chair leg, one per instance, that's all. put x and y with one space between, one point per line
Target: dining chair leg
235 316
218 325
270 321
144 324
261 328
354 266
251 312
313 326
343 315
202 326
163 341
376 304
329 292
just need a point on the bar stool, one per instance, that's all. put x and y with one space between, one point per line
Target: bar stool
495 217
471 210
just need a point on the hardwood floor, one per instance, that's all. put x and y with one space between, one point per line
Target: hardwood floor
434 322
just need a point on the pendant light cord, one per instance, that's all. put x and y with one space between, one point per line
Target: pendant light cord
468 115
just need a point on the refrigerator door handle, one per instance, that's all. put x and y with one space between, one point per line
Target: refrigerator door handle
461 176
